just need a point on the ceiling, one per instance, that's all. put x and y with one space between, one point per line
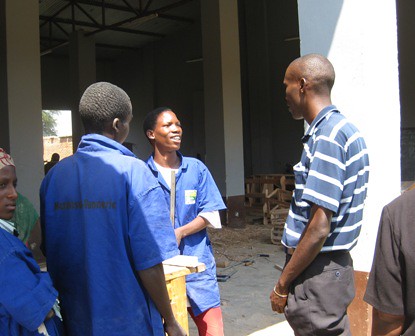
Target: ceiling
116 25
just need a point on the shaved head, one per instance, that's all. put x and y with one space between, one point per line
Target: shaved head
316 69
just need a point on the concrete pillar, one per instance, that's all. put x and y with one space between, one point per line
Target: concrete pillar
363 50
21 103
83 73
223 103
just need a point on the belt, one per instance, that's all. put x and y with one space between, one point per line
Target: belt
290 251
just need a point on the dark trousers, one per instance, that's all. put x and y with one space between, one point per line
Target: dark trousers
319 297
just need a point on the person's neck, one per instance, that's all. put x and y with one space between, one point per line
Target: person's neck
315 108
167 159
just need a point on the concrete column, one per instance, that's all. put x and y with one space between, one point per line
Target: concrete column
137 79
363 50
21 103
223 103
83 73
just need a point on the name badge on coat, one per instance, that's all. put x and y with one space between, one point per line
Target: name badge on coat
190 196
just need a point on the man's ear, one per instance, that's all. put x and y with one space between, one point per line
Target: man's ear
115 124
150 134
303 83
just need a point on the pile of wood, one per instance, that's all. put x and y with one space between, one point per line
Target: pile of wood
279 198
278 216
265 191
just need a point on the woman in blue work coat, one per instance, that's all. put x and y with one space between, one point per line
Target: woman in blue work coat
197 204
28 303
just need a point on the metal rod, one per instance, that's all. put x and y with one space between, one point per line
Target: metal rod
86 14
113 27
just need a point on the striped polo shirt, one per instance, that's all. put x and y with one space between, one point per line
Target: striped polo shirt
333 173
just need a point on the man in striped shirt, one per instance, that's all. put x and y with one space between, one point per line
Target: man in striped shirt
323 225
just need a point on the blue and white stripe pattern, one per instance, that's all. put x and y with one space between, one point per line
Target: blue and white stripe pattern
333 173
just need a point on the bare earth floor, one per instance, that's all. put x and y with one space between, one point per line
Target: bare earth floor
248 274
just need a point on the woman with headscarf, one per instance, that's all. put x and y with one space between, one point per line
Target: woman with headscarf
28 301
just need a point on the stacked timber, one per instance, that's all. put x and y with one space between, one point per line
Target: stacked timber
278 216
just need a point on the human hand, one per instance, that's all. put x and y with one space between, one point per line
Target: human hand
174 329
278 299
179 236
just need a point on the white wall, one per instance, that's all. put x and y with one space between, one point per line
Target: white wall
360 39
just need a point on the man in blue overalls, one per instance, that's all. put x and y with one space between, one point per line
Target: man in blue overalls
103 246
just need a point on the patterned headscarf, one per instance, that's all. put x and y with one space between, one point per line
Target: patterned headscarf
5 159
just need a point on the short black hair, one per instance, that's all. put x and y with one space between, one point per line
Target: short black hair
101 103
150 120
318 70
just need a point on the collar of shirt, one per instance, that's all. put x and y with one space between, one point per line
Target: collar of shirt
320 116
183 164
166 173
183 168
9 227
97 142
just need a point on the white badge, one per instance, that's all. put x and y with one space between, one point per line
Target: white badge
190 196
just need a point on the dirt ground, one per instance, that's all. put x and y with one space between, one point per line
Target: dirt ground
246 261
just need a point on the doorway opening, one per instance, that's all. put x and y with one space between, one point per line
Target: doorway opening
57 136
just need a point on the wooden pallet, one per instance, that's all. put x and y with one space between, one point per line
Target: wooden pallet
264 191
278 216
278 198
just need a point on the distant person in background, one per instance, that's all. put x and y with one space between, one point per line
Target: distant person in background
28 300
53 160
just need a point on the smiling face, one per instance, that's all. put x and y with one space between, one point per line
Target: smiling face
167 133
8 193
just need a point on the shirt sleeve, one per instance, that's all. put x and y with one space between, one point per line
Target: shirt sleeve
209 197
384 288
213 219
326 174
27 296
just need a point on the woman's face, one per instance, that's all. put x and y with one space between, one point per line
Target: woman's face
167 133
8 193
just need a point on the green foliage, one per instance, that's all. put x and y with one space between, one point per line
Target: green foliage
49 122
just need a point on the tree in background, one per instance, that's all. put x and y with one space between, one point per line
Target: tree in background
49 122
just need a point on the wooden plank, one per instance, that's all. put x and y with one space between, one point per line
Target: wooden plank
172 272
255 195
176 287
262 180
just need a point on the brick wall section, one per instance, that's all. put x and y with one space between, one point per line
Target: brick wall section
53 144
